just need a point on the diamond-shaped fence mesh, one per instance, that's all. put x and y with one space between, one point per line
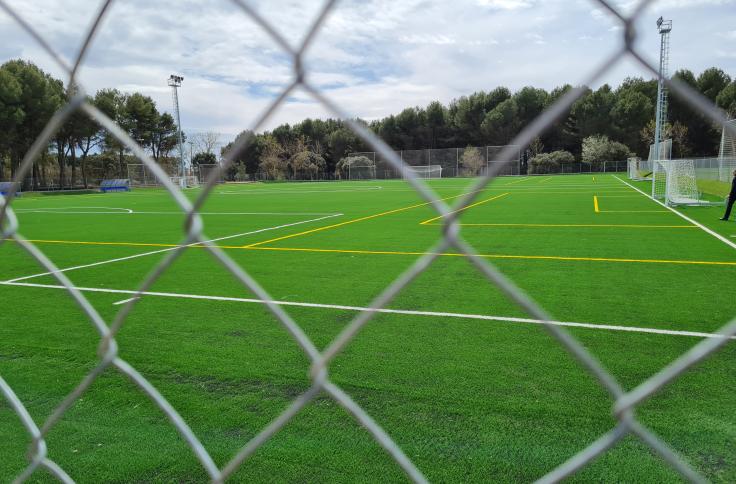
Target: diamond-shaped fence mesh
110 358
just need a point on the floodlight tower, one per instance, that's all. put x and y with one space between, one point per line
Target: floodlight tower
175 84
664 27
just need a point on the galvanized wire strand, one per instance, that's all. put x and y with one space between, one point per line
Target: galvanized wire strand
176 420
36 36
586 456
381 301
380 436
104 7
692 357
31 428
624 403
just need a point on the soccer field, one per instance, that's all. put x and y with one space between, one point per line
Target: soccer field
469 386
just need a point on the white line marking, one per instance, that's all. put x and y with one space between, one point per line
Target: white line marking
261 191
124 301
160 251
702 227
130 211
481 317
107 210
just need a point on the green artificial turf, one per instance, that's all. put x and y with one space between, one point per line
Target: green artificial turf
466 399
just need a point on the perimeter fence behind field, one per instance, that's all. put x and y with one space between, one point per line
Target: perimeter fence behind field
110 357
452 162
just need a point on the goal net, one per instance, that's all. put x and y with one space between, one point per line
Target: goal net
727 154
206 170
361 172
188 181
676 183
428 171
140 176
665 151
639 169
494 159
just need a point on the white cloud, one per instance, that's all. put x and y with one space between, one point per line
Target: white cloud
373 57
506 4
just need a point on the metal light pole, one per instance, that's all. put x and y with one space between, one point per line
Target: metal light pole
665 27
175 83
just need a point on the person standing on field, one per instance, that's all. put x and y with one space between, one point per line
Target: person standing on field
731 198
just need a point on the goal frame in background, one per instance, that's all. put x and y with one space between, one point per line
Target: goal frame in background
204 170
505 168
727 154
425 172
361 172
140 176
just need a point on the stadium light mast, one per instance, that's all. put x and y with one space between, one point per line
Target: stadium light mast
175 84
664 27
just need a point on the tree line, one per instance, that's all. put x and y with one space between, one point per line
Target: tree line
28 99
606 121
622 116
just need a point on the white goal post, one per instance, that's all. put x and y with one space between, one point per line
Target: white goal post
675 182
140 176
727 154
639 169
205 170
424 171
361 172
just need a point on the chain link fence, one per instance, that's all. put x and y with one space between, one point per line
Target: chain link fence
625 402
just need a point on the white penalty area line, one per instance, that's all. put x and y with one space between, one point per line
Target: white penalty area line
340 307
160 251
682 215
261 191
130 211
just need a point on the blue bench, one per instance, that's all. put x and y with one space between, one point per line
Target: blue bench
7 187
115 185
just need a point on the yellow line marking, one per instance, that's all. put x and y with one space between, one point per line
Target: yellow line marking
463 209
577 225
495 256
387 252
361 219
517 181
119 244
545 180
598 210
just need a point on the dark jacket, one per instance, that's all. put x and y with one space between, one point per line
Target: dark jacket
732 196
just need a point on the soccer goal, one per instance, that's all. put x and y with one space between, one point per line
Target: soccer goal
665 151
639 169
727 154
188 181
675 182
361 172
205 170
494 159
140 176
426 171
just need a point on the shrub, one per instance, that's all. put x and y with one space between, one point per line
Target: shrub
549 162
306 165
599 148
472 161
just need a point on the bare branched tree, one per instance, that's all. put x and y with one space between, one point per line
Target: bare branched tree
206 141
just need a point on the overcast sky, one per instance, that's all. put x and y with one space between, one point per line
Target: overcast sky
374 57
